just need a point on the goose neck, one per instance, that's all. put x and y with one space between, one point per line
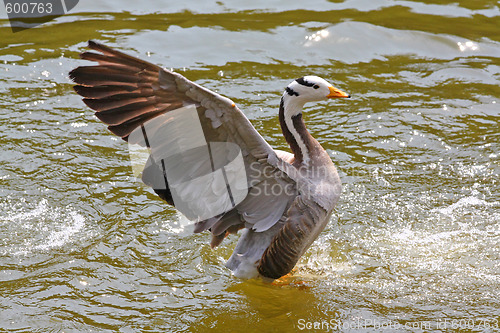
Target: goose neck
295 131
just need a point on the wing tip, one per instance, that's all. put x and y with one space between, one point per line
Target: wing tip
92 44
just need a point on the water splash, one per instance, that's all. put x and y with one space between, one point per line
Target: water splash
38 227
465 202
410 238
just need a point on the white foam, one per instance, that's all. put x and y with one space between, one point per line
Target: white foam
40 228
61 237
464 202
40 209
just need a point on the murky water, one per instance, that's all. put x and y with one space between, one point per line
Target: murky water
414 244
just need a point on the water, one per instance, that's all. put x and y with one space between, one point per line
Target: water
414 244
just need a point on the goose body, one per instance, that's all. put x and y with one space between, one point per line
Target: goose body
288 197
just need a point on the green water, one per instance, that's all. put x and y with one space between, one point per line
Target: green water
413 245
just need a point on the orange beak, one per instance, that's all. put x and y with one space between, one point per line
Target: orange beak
336 93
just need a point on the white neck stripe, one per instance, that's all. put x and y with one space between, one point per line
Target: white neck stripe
290 110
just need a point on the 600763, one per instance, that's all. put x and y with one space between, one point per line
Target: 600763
28 8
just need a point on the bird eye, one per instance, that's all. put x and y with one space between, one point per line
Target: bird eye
315 86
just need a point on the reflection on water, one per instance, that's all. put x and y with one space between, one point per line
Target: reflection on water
413 242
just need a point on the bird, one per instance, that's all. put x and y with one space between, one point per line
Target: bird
287 198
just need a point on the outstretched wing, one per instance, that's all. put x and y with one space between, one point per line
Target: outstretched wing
143 103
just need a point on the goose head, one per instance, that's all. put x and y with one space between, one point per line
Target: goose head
309 89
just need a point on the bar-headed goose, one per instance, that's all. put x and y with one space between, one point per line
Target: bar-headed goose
284 199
